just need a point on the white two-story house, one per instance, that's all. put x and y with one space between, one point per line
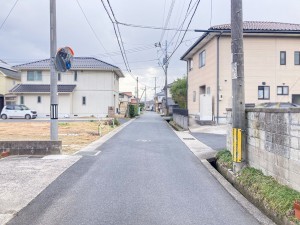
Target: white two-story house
90 88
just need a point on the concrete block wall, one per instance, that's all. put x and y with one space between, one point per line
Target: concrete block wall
181 120
31 147
273 143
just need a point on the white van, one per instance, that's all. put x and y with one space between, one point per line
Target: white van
17 111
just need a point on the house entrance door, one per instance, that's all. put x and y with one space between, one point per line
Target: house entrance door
206 107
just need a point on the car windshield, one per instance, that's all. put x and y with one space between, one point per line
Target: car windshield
24 107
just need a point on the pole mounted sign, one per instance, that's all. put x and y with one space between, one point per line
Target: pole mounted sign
63 59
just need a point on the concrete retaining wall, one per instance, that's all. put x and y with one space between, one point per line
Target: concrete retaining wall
273 143
182 121
31 147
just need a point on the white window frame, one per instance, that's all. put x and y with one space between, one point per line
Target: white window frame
202 58
263 92
190 64
34 75
282 90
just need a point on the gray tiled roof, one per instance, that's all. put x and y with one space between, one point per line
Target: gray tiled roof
248 27
41 88
78 63
262 26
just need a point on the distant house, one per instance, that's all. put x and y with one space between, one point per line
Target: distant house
90 88
160 100
271 60
124 101
9 77
134 101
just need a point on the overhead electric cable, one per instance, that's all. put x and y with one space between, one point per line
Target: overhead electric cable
188 11
129 51
94 32
12 8
185 31
116 34
167 20
121 40
152 27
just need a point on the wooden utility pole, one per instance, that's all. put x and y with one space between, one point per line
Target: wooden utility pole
145 95
238 91
53 73
166 62
137 93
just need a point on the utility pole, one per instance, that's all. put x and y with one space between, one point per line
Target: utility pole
137 93
53 74
145 95
238 91
155 86
166 62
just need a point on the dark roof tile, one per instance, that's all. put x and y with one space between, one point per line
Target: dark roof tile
41 88
261 26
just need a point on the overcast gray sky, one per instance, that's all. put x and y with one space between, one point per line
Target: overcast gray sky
24 37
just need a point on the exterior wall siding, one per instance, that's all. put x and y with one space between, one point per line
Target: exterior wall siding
6 83
205 75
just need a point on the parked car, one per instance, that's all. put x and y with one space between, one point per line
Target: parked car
17 111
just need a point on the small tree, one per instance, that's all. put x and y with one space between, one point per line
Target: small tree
131 111
179 92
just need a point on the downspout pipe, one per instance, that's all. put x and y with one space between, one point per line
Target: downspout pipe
218 77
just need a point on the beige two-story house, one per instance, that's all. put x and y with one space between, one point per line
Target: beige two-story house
271 63
8 78
90 88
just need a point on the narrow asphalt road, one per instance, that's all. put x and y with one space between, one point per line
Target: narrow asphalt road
144 175
215 141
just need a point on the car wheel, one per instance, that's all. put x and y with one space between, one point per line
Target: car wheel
3 116
27 117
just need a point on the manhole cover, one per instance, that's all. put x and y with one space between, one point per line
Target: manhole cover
189 139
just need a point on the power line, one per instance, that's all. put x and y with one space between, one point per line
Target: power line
152 27
120 44
133 50
185 31
168 19
12 8
94 32
119 33
186 16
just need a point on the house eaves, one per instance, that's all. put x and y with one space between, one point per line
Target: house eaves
7 71
41 88
251 28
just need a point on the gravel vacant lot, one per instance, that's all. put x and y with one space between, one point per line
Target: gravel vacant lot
74 135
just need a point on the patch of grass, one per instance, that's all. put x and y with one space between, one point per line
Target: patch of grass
63 124
224 157
277 197
175 125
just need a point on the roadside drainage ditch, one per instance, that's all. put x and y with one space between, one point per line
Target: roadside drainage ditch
232 179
